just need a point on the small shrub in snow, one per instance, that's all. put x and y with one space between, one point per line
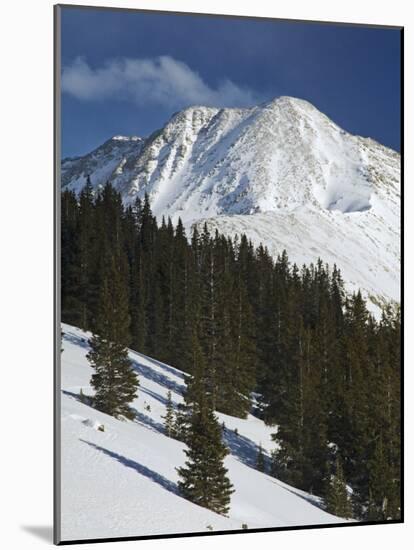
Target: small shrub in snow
169 416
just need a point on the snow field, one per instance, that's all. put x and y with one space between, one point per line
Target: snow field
123 481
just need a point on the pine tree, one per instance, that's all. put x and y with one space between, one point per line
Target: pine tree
86 256
181 422
182 301
169 416
337 500
70 259
114 381
358 379
204 478
291 461
260 460
137 304
196 389
242 372
382 487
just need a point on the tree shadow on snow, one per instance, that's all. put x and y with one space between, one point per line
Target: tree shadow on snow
314 500
149 422
73 395
139 468
162 380
244 449
154 395
74 339
167 368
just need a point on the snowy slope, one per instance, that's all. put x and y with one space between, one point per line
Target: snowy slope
276 171
123 482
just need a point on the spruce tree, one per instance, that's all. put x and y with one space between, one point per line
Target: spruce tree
382 487
260 460
291 461
181 422
70 259
114 381
182 301
169 416
337 500
86 252
204 478
138 300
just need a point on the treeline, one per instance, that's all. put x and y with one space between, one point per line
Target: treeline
237 320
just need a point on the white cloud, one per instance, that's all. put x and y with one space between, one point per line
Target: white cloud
162 80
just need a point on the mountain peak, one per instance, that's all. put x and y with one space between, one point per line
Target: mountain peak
126 138
283 161
283 100
289 101
280 155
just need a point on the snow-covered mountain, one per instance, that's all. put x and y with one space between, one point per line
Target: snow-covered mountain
123 481
281 172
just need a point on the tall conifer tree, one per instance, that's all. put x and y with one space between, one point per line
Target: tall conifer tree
169 416
204 478
114 381
338 502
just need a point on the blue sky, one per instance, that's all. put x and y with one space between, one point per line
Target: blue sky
127 72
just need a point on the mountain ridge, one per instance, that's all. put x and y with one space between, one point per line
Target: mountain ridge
266 171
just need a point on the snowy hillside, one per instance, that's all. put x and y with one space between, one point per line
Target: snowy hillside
281 172
123 481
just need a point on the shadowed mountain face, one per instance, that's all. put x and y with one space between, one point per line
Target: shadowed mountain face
281 172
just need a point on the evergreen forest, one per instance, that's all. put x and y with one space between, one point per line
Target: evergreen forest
253 333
